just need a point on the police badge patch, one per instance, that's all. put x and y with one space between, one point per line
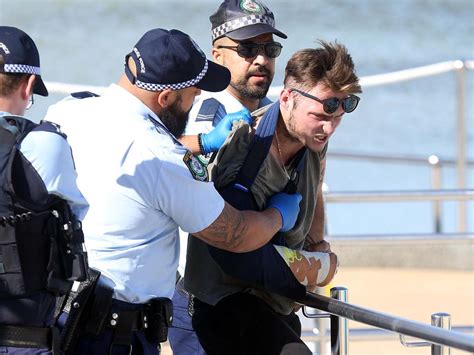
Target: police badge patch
250 6
197 168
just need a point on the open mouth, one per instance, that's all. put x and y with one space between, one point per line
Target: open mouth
320 138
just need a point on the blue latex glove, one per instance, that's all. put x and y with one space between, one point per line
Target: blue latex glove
288 206
212 141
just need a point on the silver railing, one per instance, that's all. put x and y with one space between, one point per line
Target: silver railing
438 335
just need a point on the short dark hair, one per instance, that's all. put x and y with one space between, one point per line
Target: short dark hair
330 65
9 82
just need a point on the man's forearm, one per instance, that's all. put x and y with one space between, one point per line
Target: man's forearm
241 231
316 234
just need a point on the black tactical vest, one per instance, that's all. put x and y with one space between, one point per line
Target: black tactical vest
41 243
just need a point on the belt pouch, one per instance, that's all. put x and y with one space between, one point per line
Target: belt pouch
159 314
78 307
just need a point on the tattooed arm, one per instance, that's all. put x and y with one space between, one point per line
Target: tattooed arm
241 231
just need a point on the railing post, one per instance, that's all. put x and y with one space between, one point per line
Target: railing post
441 320
339 330
436 185
461 138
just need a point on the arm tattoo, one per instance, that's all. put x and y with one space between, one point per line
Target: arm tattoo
227 231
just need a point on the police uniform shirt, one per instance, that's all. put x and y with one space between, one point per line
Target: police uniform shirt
208 108
132 173
213 105
50 155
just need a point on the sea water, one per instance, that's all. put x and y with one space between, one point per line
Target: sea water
85 42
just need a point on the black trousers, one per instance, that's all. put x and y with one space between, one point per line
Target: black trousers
244 324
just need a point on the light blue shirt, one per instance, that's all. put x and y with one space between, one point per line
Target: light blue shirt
50 155
139 191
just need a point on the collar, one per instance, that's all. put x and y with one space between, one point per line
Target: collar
127 101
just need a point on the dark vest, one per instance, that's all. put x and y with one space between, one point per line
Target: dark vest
41 243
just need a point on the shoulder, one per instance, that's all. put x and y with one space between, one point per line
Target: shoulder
50 143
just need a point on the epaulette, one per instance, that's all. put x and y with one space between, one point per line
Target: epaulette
83 94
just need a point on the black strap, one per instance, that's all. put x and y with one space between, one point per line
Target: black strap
25 337
259 148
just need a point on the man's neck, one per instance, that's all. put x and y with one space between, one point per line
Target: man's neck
288 145
250 104
12 105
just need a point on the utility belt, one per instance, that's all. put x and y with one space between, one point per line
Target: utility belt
91 310
30 337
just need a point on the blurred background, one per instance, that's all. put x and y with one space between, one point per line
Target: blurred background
84 42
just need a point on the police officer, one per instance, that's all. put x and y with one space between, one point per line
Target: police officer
142 183
38 232
242 41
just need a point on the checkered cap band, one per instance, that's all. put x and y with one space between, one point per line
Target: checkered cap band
21 68
177 86
240 22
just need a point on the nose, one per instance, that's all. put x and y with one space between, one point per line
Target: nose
329 127
261 57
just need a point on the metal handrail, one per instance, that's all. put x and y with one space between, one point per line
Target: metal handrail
398 196
403 159
385 321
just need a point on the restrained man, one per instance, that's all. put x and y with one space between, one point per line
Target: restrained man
41 242
238 316
142 183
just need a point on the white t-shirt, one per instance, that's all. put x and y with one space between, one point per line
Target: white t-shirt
132 173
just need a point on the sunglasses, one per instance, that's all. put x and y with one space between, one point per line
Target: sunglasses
251 50
330 105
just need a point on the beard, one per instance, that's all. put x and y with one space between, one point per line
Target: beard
255 93
174 118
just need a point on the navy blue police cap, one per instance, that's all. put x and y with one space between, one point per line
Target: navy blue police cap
172 60
243 19
20 56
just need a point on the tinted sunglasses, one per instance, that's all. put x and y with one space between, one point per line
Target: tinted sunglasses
331 104
251 50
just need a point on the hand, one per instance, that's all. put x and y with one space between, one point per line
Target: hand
322 245
213 140
288 206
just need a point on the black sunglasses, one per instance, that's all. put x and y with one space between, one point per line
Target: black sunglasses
330 105
251 50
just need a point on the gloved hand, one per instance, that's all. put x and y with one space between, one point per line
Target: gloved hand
288 205
212 141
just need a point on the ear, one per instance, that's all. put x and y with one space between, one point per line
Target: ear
285 97
27 86
217 55
166 97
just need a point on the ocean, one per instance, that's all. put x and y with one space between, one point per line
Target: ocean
84 42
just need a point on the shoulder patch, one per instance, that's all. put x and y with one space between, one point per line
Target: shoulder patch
208 110
196 167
